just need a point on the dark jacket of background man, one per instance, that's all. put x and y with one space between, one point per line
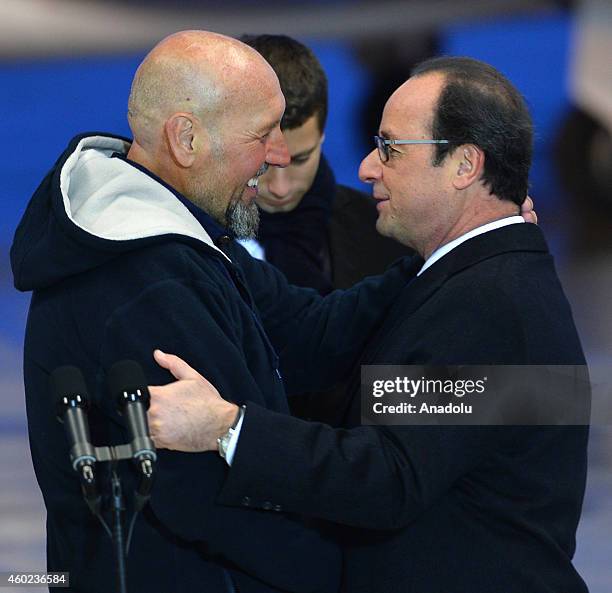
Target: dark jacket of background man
330 240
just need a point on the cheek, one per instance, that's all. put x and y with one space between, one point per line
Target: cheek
407 185
399 187
263 183
304 176
247 164
301 181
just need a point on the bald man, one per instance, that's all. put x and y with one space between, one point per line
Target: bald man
128 246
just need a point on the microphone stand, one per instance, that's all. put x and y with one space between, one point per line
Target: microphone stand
68 385
114 454
118 539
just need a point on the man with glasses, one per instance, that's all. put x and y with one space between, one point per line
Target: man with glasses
461 509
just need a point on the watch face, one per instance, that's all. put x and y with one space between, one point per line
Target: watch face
223 443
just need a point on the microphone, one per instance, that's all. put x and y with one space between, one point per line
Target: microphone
127 384
70 393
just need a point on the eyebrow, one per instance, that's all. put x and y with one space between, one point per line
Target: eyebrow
267 129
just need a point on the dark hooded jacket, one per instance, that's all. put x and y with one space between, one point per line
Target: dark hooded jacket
119 264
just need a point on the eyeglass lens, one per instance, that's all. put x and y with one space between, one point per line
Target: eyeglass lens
383 149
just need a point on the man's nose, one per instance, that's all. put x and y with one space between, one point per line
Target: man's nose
278 182
278 153
370 168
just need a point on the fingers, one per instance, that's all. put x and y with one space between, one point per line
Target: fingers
156 391
155 416
157 439
161 393
153 426
153 433
177 366
527 211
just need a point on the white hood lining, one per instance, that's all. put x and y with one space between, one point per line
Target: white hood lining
113 200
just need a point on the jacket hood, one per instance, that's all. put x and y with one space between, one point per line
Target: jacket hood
91 208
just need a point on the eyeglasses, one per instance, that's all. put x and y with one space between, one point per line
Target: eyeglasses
383 145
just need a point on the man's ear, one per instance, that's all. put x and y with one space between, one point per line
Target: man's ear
469 160
180 131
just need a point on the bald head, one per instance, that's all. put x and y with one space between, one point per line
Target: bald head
198 72
205 113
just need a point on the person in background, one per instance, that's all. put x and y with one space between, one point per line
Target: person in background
317 232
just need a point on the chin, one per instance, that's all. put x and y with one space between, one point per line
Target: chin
266 206
381 227
289 207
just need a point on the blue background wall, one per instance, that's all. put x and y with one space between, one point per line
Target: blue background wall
43 104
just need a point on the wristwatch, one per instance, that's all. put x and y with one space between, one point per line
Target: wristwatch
224 441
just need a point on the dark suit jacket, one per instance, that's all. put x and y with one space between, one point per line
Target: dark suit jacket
442 509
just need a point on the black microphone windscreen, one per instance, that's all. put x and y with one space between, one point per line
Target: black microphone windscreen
127 375
67 381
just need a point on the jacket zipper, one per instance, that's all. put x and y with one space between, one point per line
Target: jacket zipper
231 586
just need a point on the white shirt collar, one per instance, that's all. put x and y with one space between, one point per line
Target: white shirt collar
485 228
254 247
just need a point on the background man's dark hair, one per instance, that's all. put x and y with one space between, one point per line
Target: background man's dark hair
478 105
301 77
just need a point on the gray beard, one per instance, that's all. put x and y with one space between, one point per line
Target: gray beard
242 220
